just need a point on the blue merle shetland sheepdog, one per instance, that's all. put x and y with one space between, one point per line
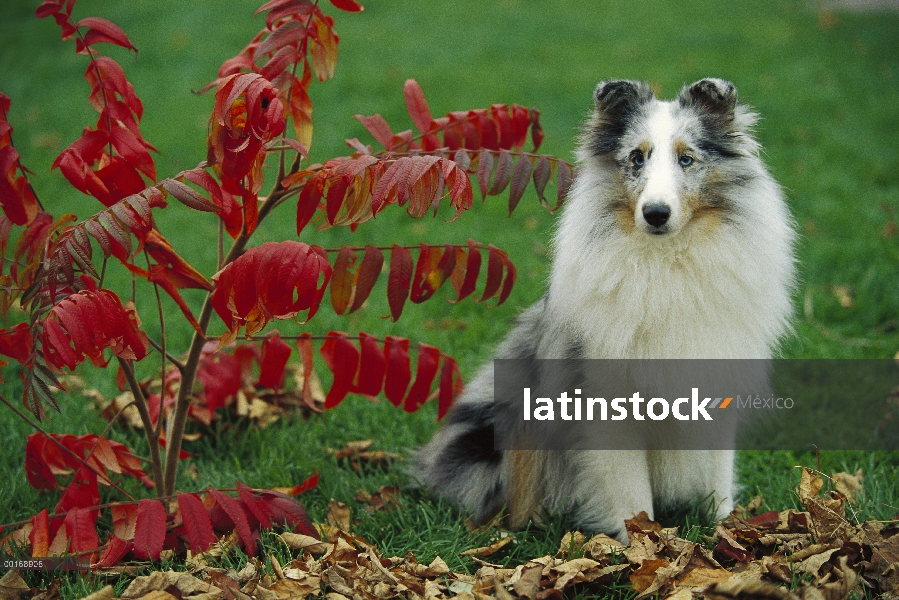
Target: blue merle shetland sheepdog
675 242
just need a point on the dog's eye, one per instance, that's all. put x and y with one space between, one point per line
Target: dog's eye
637 158
685 161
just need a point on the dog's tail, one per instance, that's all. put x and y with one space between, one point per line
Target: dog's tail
462 463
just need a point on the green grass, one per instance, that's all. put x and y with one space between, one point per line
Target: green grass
827 95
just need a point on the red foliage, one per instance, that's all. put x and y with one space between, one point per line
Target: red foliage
275 354
53 270
369 370
106 162
16 196
276 280
501 127
85 324
63 454
149 529
196 522
246 116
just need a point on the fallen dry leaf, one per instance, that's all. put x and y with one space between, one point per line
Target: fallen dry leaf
387 497
301 542
339 515
351 448
488 550
357 454
12 586
810 484
104 593
645 576
642 522
849 485
188 586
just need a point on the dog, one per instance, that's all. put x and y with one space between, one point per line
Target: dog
674 242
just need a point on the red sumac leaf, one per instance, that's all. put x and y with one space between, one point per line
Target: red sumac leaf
188 196
503 173
238 516
342 358
433 268
116 549
85 324
417 105
366 275
308 484
287 34
287 510
399 372
196 522
509 280
372 366
220 375
399 280
40 534
37 465
275 280
149 529
254 504
450 385
768 520
421 288
82 492
80 525
308 202
542 172
520 179
105 32
275 354
472 270
342 279
494 273
124 520
347 5
485 168
462 159
536 129
17 343
378 128
426 370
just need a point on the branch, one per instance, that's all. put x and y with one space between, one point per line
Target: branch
149 430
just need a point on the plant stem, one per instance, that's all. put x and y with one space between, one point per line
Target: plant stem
188 375
144 411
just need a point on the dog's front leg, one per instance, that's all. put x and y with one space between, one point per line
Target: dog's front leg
608 486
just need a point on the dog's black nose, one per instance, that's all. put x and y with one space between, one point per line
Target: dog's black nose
656 214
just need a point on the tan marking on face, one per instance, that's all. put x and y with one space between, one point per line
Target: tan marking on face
703 214
681 148
624 216
624 208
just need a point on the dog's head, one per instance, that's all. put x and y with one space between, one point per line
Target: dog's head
672 164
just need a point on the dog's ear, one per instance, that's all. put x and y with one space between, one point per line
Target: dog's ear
715 96
619 96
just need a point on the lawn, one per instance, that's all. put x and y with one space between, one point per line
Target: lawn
826 84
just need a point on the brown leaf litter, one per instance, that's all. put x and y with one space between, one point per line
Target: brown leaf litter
815 554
